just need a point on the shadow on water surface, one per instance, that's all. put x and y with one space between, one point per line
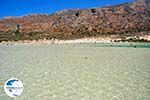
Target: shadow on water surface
124 45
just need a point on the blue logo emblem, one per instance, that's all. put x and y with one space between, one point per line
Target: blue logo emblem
13 87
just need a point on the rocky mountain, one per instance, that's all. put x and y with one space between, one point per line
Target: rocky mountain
131 18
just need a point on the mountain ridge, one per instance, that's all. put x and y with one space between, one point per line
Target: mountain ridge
131 18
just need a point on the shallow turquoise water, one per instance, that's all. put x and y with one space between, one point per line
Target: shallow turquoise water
78 71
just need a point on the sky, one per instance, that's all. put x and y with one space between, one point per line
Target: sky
24 7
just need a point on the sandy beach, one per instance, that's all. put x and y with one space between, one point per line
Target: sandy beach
56 41
81 40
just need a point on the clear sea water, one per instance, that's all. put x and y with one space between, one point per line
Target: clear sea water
78 71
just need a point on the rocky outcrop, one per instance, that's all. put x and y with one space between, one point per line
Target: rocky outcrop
125 19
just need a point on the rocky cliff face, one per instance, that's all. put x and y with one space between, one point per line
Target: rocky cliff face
128 18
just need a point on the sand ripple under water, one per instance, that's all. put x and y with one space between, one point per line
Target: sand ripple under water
77 71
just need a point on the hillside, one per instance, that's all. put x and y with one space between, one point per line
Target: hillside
127 19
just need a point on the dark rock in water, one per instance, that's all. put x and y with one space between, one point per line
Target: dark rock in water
85 57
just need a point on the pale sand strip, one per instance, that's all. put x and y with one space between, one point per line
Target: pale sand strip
56 41
81 40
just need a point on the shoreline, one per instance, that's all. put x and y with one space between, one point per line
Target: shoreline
139 39
57 41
